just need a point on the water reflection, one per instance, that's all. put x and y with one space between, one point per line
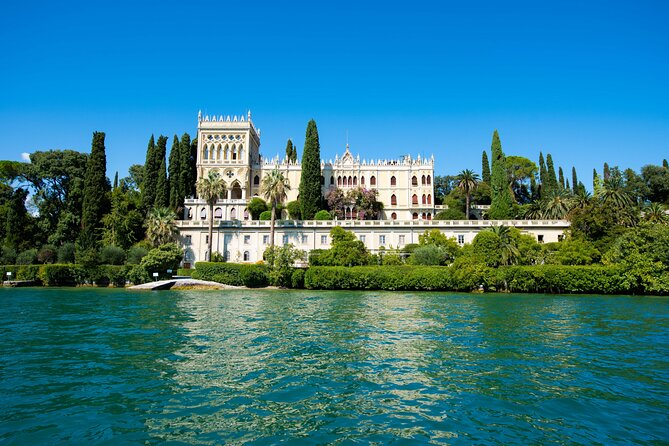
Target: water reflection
271 366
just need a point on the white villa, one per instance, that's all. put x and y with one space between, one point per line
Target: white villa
230 145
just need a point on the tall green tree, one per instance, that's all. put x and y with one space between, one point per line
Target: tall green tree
274 188
543 172
174 177
607 171
291 151
561 183
467 182
162 187
193 168
123 225
96 187
574 180
150 177
186 164
209 189
502 202
485 168
310 181
161 227
552 184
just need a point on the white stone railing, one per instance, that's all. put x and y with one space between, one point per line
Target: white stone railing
372 223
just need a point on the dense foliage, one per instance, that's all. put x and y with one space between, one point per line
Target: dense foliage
310 180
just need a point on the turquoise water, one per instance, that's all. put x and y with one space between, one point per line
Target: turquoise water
82 366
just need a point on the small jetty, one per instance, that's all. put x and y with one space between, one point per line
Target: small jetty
183 283
19 283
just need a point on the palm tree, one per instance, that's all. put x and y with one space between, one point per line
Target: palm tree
655 213
613 193
274 187
467 182
160 226
557 205
508 245
209 189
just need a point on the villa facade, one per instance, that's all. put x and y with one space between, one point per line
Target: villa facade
405 186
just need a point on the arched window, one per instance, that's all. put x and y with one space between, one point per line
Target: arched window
415 216
236 192
414 199
429 198
350 181
203 214
233 151
372 181
247 256
219 151
355 181
414 181
339 181
322 180
429 216
424 199
393 181
422 180
423 216
233 214
393 216
205 153
256 180
429 180
218 213
332 181
226 152
362 181
393 200
246 214
190 213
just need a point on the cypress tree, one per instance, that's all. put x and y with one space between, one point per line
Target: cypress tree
567 186
552 183
162 188
561 177
543 175
96 187
148 186
185 181
289 150
116 180
174 176
607 171
485 168
574 180
193 168
596 182
502 202
664 164
310 182
534 188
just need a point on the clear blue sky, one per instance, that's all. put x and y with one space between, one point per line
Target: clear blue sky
586 81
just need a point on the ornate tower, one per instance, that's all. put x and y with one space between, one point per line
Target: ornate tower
229 146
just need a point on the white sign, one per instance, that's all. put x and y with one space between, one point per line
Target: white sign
155 274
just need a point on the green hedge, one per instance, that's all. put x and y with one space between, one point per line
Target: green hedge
468 277
185 272
252 276
69 274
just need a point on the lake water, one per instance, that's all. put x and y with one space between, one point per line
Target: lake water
82 366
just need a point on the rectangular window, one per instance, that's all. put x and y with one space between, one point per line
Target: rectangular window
402 238
382 240
540 238
560 237
362 238
265 239
285 239
247 239
189 239
324 239
305 239
461 239
206 239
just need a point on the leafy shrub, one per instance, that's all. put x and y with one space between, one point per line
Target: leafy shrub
136 254
297 278
252 276
66 253
28 272
450 214
294 210
266 215
7 256
47 254
377 278
323 215
112 255
185 272
57 275
256 207
161 259
138 275
4 269
27 257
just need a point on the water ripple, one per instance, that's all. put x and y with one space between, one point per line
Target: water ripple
263 367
